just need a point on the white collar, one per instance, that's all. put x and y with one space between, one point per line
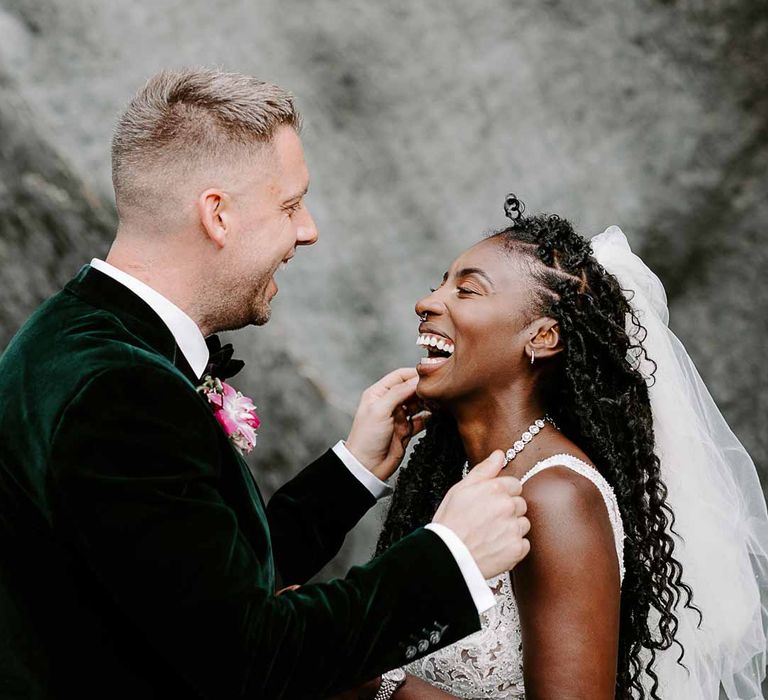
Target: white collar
185 331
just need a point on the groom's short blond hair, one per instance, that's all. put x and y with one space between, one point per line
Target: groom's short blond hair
193 118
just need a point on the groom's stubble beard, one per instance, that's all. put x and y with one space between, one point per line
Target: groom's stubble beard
240 303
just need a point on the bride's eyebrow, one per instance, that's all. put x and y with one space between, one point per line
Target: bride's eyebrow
467 271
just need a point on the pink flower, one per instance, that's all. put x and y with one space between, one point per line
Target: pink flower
235 413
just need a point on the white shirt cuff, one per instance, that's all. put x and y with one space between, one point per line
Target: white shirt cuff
376 486
478 588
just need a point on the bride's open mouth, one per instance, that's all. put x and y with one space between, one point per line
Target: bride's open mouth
439 351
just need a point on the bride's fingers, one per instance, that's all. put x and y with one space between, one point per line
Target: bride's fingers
288 588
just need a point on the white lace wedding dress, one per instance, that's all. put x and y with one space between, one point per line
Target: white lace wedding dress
489 663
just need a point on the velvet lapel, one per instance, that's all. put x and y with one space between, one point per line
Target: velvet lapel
183 366
103 292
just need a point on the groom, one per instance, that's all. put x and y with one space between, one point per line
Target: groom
137 557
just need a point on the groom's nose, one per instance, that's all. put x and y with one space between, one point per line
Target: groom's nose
306 230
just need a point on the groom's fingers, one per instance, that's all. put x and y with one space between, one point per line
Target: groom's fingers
393 380
402 421
525 526
414 405
486 512
419 422
397 395
487 469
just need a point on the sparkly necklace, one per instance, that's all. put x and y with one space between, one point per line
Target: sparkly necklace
533 430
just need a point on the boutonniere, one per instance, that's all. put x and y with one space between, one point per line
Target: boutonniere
235 413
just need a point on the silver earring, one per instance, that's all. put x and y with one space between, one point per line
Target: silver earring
423 317
533 356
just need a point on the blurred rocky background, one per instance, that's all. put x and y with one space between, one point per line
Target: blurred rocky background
420 117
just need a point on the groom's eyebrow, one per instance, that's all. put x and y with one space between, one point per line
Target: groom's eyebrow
297 196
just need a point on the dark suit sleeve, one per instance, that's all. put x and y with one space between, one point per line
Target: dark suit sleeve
135 491
310 516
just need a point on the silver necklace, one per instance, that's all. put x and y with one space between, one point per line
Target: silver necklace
533 430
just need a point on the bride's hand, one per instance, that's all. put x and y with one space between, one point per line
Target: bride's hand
387 417
414 689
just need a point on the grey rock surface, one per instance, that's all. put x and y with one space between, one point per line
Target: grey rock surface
420 117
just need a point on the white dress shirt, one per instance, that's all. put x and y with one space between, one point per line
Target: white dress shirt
185 331
191 342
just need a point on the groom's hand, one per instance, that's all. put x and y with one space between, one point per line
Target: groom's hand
387 417
487 513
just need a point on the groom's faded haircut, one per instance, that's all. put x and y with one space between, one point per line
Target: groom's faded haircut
190 118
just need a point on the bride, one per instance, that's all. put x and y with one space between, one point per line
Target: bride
647 576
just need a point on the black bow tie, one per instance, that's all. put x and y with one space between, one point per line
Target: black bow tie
220 362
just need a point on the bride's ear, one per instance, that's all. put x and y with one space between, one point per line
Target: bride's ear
544 339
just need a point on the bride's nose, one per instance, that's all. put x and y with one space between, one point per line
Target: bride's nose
428 306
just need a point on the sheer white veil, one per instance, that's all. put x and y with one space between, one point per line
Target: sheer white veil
720 512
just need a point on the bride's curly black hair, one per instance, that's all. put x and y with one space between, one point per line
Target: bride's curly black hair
599 399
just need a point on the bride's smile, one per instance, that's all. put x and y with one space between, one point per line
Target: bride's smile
439 348
475 328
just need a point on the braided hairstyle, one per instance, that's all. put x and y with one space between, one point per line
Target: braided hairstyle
599 400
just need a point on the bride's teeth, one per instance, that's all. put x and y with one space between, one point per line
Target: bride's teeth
431 341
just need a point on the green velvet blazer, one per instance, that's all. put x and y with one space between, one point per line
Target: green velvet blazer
137 557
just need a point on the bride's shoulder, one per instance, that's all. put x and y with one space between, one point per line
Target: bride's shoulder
567 509
558 489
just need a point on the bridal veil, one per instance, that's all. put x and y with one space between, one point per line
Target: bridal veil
721 523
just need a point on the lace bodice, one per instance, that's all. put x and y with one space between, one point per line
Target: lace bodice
489 663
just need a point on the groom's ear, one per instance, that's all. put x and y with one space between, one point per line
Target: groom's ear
212 207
